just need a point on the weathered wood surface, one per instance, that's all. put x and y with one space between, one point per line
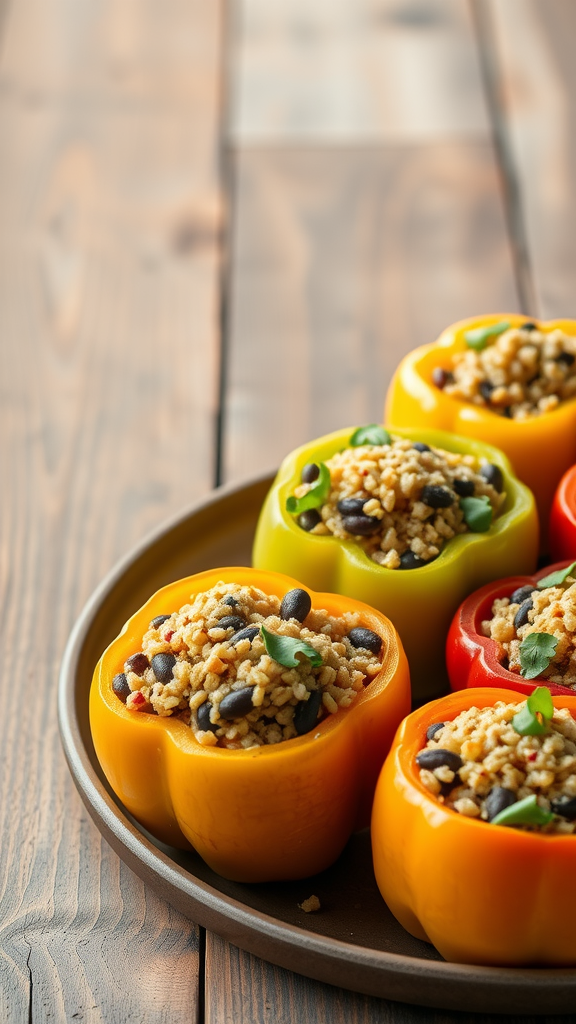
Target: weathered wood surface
109 268
368 210
533 48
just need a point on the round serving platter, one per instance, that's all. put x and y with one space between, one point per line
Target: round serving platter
353 941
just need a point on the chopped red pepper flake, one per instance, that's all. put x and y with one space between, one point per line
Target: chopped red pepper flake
168 636
533 755
137 701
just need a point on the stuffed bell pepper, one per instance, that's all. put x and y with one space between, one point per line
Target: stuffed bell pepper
249 717
408 521
517 632
501 379
481 860
562 530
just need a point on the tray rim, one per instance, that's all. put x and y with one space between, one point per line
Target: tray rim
434 983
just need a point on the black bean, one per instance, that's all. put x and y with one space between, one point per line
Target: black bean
498 799
310 473
411 561
464 488
236 704
366 638
230 622
565 357
137 663
308 519
162 665
565 806
157 622
295 604
230 601
436 497
529 326
493 475
421 447
351 506
121 687
441 377
306 712
244 634
486 388
433 729
438 758
521 617
521 594
361 526
203 718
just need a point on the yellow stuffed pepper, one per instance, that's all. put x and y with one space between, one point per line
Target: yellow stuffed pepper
307 528
501 379
250 718
481 858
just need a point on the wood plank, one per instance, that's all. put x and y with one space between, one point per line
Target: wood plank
355 70
242 989
109 262
537 86
344 259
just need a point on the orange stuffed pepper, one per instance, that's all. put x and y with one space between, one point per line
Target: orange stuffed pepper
500 379
480 788
249 717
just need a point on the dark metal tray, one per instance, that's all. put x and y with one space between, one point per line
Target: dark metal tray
354 941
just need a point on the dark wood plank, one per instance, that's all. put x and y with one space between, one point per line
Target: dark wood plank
241 989
344 259
109 262
533 46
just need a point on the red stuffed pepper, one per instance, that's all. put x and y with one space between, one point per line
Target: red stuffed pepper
562 531
529 633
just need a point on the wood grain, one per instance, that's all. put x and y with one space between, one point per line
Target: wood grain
355 70
241 989
110 216
534 43
344 259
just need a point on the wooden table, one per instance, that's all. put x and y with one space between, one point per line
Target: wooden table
221 228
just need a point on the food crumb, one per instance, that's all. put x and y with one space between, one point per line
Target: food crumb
310 905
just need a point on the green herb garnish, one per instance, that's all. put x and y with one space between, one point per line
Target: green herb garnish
284 649
533 718
477 513
523 812
536 653
372 434
555 579
313 498
479 337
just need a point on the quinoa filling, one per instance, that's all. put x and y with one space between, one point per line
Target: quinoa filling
209 664
523 372
400 500
479 765
537 613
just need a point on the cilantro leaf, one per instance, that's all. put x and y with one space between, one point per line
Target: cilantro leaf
478 337
477 513
284 649
536 653
372 434
523 812
555 579
313 498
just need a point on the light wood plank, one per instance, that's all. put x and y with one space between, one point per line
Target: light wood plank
344 260
534 43
355 70
110 215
